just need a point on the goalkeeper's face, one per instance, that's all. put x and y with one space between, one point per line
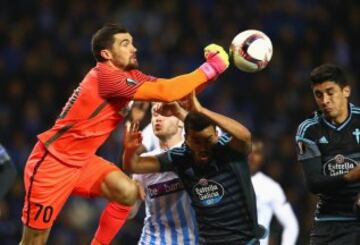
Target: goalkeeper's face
123 52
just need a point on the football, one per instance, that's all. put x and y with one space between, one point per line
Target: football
251 50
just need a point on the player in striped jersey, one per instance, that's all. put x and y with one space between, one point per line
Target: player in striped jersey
214 172
328 146
169 217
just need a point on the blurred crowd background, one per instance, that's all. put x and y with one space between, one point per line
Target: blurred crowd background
45 52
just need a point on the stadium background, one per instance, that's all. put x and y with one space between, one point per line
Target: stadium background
45 52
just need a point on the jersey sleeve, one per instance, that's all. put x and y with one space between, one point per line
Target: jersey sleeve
4 156
173 159
222 147
278 196
306 141
166 163
224 140
114 83
284 214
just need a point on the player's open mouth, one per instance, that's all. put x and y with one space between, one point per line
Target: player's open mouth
327 110
203 157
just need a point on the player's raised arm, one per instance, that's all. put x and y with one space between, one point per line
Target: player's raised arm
168 90
132 161
113 83
241 136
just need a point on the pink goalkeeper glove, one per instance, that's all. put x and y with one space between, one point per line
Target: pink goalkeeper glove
217 61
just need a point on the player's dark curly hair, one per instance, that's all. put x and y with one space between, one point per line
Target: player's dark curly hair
104 39
196 122
328 72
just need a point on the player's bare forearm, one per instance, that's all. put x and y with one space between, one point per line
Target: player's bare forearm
241 140
171 109
353 176
131 158
134 163
241 135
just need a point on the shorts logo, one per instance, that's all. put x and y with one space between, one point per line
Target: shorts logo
208 192
131 82
339 165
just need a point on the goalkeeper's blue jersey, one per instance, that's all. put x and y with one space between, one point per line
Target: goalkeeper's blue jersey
338 146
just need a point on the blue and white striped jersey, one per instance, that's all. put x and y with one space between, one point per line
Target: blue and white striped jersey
170 218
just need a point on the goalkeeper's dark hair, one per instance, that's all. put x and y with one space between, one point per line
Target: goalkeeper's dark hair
196 122
104 39
328 72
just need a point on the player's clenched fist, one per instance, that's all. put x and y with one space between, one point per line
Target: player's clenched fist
214 49
217 61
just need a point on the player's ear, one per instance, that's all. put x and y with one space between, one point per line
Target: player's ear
106 54
347 91
180 124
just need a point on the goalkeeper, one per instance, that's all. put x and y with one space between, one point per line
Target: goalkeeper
64 160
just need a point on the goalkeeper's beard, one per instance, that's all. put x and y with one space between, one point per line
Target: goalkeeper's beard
131 65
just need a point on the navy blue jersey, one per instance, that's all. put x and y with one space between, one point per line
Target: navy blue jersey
216 193
4 156
7 172
336 149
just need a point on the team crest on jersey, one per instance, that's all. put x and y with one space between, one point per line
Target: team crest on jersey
131 82
208 192
339 165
